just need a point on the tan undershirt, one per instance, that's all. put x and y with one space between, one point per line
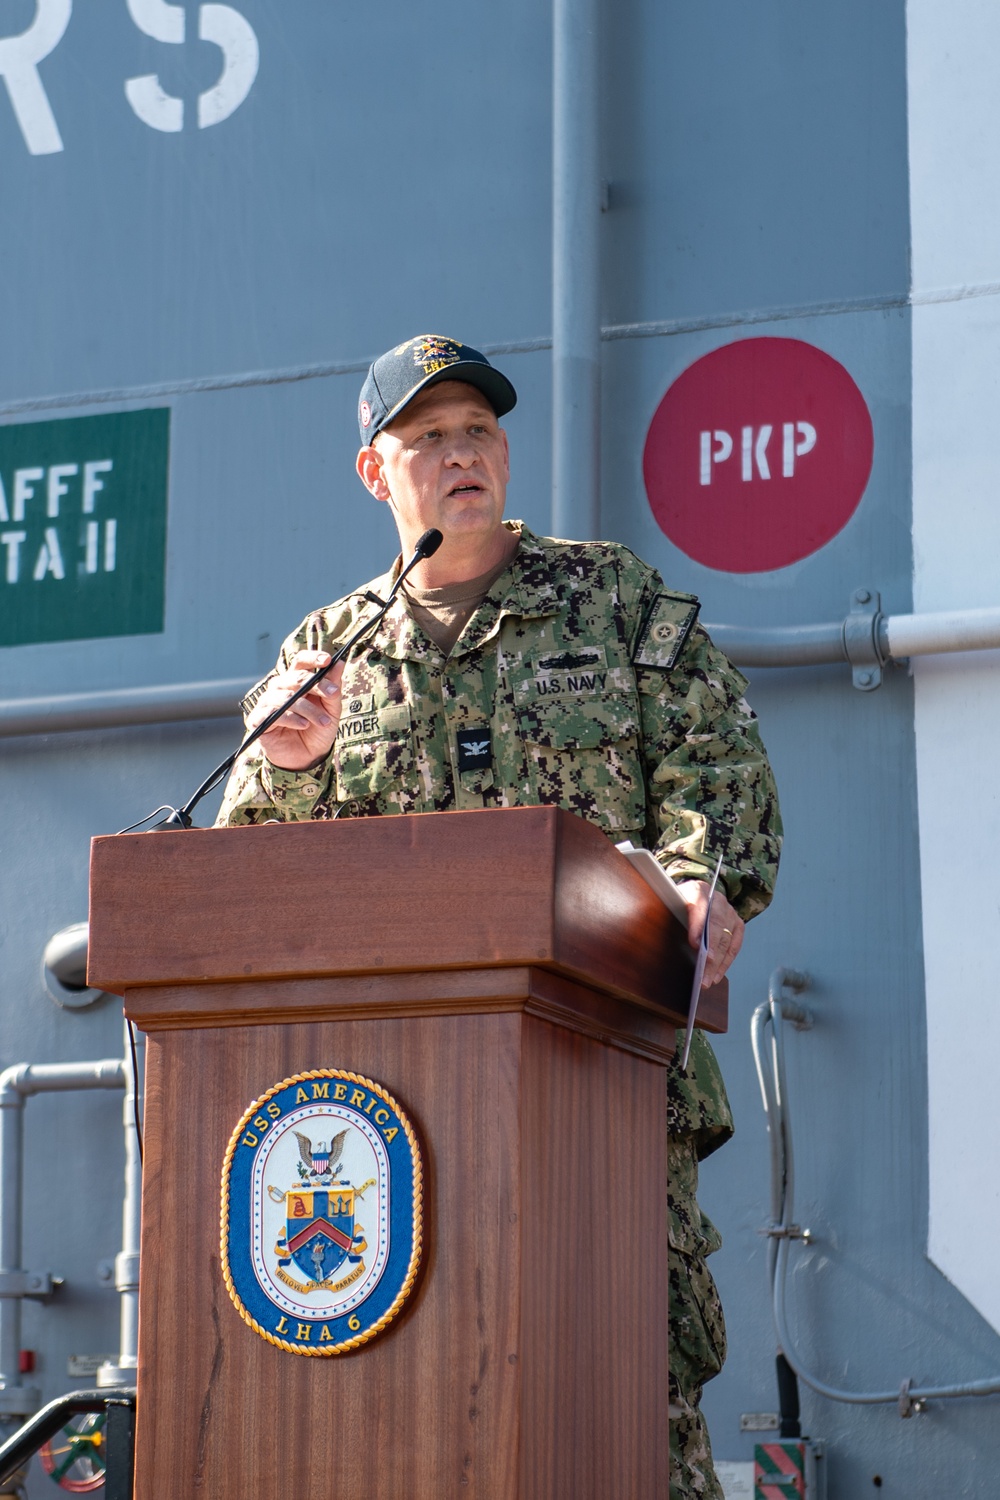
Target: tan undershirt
443 614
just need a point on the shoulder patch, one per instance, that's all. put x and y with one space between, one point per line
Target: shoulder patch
668 626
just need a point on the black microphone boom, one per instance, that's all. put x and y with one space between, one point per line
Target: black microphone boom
180 817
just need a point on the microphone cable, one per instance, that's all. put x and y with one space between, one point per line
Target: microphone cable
180 817
135 1082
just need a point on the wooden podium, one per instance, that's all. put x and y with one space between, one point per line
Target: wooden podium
515 985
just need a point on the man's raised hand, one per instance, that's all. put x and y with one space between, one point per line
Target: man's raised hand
304 735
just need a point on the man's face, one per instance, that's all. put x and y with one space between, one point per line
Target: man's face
443 462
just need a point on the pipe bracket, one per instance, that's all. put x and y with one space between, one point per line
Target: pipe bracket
127 1271
862 638
787 1232
910 1405
35 1284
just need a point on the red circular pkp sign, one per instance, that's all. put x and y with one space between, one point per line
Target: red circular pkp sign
758 455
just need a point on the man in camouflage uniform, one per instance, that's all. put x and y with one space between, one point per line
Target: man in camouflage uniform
518 670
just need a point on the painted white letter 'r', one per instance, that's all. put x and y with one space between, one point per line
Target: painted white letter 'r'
19 59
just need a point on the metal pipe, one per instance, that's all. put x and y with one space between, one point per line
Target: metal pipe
576 291
782 646
765 1077
778 1136
951 630
774 1090
118 707
17 1083
127 1261
897 637
25 1079
11 1196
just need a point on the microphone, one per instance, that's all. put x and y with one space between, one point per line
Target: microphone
180 817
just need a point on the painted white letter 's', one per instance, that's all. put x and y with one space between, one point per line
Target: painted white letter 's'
164 23
219 24
241 55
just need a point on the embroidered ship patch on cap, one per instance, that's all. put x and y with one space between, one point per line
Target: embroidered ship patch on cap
322 1193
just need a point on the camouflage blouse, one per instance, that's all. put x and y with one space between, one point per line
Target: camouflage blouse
580 681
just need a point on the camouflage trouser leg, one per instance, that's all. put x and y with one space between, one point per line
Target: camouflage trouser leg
697 1331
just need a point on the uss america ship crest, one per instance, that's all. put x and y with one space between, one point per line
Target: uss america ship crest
321 1212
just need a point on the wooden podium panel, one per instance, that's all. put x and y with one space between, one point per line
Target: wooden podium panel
510 979
531 1361
373 896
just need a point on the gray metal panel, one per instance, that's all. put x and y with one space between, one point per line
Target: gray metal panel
744 179
847 911
757 155
375 184
389 173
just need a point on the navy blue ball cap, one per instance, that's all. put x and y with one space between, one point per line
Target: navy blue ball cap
395 378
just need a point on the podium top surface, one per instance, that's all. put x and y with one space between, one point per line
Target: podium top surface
531 886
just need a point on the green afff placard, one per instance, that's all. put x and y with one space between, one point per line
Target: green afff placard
83 527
